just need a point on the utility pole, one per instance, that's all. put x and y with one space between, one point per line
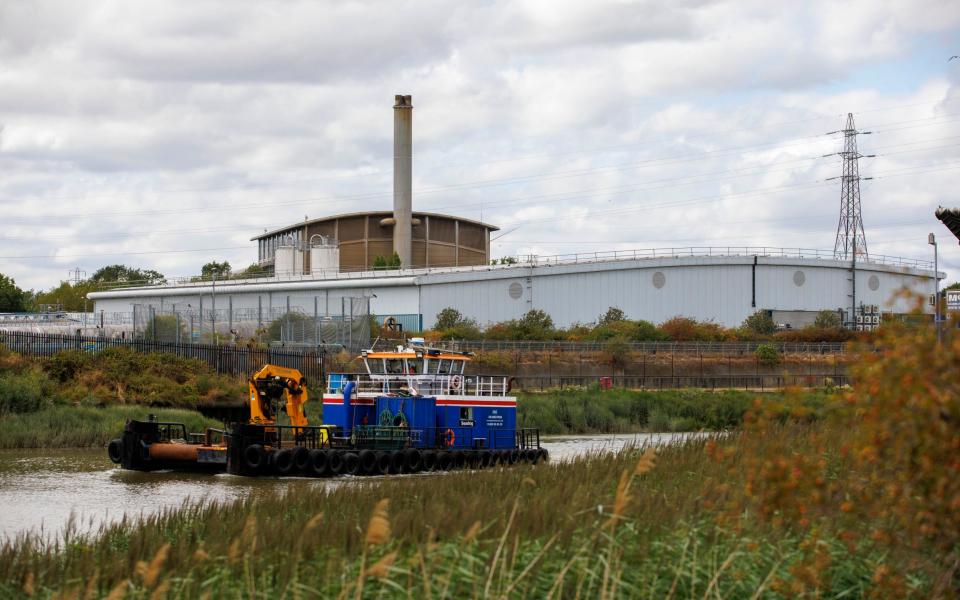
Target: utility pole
851 241
213 312
932 240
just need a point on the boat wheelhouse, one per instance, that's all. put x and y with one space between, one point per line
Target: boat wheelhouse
428 390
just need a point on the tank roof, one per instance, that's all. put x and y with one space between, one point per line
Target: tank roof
384 213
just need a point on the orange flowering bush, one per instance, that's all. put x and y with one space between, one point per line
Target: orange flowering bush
883 470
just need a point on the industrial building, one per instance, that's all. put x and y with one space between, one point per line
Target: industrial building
705 284
359 238
320 266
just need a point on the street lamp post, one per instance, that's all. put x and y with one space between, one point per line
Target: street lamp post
932 240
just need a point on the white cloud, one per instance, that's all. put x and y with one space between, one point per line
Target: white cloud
140 127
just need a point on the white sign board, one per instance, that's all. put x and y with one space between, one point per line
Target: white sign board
953 299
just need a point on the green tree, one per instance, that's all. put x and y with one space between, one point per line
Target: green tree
254 270
123 274
389 262
220 269
612 315
448 318
454 326
827 319
534 325
760 322
71 297
12 298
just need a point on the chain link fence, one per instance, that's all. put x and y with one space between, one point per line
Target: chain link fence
289 325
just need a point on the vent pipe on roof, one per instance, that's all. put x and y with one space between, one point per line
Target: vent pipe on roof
402 179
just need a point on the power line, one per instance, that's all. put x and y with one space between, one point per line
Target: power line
124 253
593 150
652 162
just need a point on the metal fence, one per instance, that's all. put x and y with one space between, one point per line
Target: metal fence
671 382
226 360
694 348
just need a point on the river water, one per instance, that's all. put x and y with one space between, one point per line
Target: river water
42 491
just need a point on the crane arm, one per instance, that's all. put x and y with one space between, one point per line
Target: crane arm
267 386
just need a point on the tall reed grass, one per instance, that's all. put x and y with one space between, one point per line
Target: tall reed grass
582 411
625 525
83 426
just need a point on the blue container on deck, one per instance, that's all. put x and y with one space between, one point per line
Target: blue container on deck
418 413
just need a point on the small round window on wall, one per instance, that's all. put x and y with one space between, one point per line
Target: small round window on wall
799 278
659 280
873 283
515 290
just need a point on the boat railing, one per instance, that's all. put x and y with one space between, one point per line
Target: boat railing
425 385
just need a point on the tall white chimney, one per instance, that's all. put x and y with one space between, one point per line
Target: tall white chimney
402 179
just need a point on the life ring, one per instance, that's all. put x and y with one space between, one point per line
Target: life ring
456 381
449 437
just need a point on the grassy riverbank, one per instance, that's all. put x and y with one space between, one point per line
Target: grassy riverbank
83 426
77 399
583 411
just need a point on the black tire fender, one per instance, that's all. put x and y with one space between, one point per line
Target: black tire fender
301 459
397 462
429 460
444 461
368 462
413 460
254 457
283 462
383 463
115 450
335 462
319 465
486 459
351 464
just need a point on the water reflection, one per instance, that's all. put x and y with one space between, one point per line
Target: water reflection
41 490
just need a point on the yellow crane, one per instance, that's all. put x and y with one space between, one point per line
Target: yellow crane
271 384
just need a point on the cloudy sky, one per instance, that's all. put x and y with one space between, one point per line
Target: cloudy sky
166 134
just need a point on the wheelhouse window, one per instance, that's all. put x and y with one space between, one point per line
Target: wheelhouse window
394 366
375 366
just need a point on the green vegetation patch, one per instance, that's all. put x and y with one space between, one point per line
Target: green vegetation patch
84 426
592 410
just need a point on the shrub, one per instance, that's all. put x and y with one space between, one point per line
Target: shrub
760 322
827 319
617 352
684 329
612 315
534 325
25 392
451 325
768 354
66 364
